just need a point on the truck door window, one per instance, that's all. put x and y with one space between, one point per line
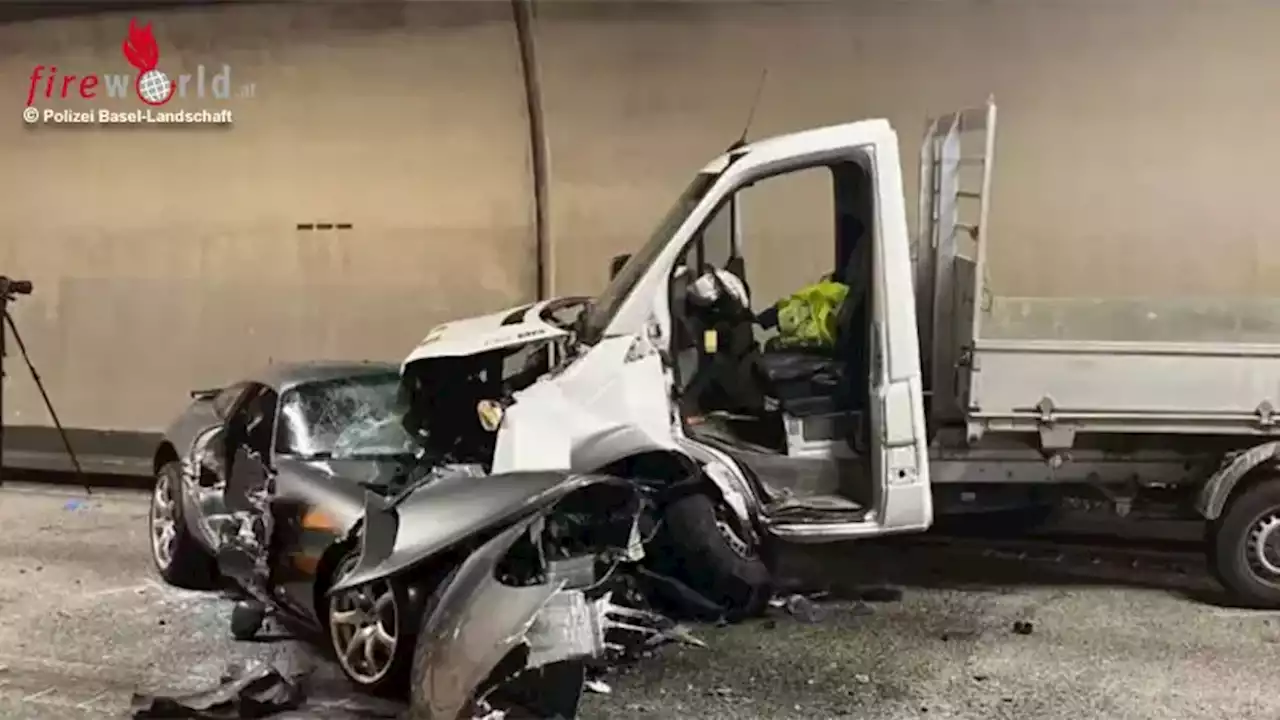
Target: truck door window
788 227
716 244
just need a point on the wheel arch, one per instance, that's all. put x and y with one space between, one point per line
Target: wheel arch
677 467
1238 472
165 453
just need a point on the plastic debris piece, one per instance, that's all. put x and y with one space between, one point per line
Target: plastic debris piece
804 609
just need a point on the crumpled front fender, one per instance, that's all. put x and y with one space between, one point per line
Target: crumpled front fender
479 621
449 510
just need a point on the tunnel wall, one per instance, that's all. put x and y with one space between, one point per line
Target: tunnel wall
167 259
1134 155
1133 160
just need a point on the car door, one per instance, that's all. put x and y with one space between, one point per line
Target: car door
899 437
248 435
213 452
206 457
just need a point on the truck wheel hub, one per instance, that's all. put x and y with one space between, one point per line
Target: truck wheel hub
1264 546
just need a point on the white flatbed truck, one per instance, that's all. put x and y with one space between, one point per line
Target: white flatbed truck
938 397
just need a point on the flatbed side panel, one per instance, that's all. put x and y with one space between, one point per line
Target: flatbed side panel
1125 387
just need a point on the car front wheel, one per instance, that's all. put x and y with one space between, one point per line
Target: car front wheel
178 556
371 632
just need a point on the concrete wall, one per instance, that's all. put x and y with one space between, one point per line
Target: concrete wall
168 258
1136 141
1134 159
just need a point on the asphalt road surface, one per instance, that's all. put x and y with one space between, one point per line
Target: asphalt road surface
85 623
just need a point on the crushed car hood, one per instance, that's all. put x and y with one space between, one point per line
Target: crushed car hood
506 328
439 515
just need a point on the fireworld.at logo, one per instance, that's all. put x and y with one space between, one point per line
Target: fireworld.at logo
151 84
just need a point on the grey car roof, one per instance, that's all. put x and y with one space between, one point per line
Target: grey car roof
284 375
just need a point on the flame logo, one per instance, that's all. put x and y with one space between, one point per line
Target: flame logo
140 49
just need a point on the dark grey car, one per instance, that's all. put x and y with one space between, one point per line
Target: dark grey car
286 455
295 485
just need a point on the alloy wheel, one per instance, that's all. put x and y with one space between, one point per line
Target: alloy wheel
363 623
164 520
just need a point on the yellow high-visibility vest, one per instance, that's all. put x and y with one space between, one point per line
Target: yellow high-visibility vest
809 317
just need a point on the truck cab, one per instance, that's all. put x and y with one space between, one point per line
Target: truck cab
829 442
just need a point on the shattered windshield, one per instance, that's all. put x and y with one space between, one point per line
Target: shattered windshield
608 302
351 418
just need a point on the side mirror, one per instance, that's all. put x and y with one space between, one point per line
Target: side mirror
615 265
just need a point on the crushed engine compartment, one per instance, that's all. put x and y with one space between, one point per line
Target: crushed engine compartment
439 398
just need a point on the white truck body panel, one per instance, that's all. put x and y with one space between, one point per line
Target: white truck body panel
996 382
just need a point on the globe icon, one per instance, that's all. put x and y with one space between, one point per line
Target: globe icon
154 87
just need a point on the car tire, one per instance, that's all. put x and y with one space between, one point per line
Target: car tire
1235 546
390 682
185 563
705 550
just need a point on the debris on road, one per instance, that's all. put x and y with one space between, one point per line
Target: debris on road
806 608
800 607
950 635
255 692
1023 627
263 690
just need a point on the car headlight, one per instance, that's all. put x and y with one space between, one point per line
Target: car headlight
490 413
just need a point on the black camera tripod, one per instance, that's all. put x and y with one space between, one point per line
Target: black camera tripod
10 289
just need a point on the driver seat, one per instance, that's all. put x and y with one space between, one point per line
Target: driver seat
820 381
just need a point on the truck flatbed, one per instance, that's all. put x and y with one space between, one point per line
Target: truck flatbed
1065 367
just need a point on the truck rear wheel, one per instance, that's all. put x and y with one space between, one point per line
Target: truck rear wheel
1243 546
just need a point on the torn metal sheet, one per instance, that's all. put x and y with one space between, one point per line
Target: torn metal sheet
399 534
481 623
263 690
244 553
257 692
